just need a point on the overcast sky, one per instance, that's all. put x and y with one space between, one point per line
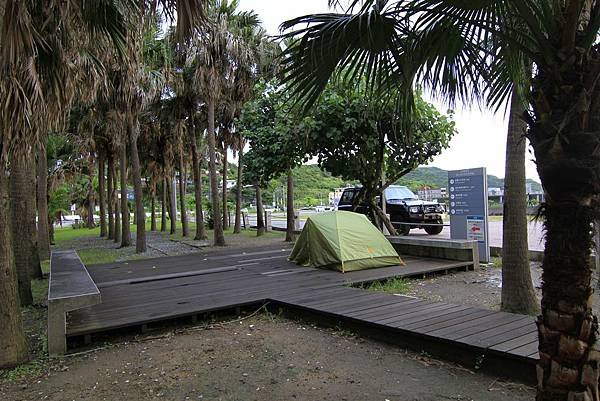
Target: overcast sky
481 138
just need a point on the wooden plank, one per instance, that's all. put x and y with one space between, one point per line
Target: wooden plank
416 306
421 313
476 326
501 333
525 350
431 314
475 314
391 303
515 342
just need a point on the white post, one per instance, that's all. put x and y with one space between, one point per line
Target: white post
268 225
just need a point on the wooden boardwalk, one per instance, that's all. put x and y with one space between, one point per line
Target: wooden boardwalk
140 292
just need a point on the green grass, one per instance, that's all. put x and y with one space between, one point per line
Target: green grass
30 369
94 256
393 286
497 262
68 236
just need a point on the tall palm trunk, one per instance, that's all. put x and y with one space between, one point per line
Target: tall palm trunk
290 213
197 175
21 237
115 200
238 192
518 295
110 195
13 348
564 134
125 229
136 176
153 210
260 212
182 205
43 226
172 207
91 201
102 193
163 211
224 193
219 238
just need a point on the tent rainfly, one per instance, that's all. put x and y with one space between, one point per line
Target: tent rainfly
343 241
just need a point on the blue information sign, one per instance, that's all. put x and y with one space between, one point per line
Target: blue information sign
468 207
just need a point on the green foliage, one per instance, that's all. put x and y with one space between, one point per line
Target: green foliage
352 135
272 130
59 201
393 286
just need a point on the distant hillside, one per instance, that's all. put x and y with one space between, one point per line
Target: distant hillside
438 178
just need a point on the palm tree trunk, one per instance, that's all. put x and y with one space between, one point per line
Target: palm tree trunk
260 212
518 295
163 212
102 193
23 246
172 211
13 348
125 230
115 200
153 210
110 195
197 175
289 232
564 135
238 193
43 226
91 204
224 193
219 238
136 176
182 205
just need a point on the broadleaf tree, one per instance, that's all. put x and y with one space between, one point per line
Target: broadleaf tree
276 148
359 137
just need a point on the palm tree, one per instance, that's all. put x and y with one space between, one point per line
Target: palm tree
38 43
214 56
43 226
456 48
518 294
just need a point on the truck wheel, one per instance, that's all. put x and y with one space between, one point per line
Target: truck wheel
404 229
434 230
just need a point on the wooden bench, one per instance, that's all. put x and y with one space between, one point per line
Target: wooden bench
70 288
452 249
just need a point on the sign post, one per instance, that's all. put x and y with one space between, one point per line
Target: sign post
468 197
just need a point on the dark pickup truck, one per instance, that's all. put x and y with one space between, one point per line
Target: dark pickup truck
404 207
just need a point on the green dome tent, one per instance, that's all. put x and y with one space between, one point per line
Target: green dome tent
343 241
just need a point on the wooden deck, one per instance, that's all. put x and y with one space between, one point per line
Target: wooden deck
140 292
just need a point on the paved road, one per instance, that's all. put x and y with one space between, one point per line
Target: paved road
534 231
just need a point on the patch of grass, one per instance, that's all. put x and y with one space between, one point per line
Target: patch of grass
23 371
45 266
39 290
98 255
397 285
69 233
497 262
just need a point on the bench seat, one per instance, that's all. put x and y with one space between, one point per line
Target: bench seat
70 287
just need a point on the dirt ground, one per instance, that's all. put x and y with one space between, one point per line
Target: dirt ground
480 288
261 358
